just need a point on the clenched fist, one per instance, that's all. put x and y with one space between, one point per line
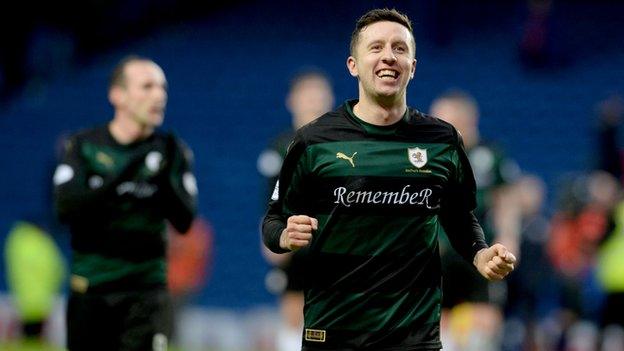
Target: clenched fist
494 262
298 232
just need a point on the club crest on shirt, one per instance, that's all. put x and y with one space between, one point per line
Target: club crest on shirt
153 160
417 156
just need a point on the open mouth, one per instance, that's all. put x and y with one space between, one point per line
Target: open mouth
387 74
158 110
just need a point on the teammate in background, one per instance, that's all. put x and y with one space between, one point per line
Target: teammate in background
310 95
466 295
116 185
366 188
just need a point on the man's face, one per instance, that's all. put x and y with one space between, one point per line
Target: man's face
310 98
463 115
144 96
383 60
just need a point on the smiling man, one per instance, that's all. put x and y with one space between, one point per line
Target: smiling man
115 186
371 221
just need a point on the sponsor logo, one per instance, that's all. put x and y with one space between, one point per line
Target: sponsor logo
139 190
417 156
403 197
315 335
104 159
342 156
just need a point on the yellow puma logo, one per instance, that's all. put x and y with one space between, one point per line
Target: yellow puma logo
345 157
104 159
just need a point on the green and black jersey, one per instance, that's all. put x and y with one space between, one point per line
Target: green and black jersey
381 195
116 199
492 170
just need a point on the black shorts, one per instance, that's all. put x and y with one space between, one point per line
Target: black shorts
461 282
119 321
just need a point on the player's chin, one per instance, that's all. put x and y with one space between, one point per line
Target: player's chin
155 119
389 91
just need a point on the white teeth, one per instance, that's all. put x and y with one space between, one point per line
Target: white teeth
387 73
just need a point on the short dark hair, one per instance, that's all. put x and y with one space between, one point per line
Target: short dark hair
379 15
118 76
306 73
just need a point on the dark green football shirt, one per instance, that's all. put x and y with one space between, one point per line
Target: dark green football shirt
381 195
116 199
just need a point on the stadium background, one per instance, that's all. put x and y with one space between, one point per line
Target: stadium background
229 65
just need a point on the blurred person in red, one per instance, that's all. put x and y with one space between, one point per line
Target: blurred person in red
577 229
189 258
310 95
472 306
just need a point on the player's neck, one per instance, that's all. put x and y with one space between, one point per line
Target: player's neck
126 131
381 113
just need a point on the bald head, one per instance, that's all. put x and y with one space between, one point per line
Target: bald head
460 110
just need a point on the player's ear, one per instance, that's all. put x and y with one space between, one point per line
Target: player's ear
115 95
351 65
413 70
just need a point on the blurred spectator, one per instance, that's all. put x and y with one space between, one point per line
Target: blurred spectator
577 228
35 272
610 155
532 289
540 46
310 95
466 295
579 225
611 269
189 258
610 263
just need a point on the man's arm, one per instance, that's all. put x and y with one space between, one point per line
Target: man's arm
463 229
284 230
179 186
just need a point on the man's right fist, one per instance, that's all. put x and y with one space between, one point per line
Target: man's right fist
298 232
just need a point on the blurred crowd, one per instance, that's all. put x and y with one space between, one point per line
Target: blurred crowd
567 293
568 290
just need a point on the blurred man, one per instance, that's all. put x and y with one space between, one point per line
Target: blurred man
498 212
310 95
366 188
115 186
